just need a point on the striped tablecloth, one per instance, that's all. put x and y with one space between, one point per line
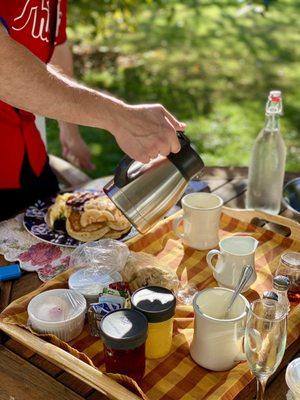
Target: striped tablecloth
176 376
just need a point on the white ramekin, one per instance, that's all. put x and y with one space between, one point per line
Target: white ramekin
67 329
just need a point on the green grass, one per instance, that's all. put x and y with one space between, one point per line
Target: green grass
210 67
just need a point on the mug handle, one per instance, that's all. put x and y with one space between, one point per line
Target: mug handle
242 355
176 222
210 255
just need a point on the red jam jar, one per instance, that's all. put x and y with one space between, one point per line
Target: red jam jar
124 333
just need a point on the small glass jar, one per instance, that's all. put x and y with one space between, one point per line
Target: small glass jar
280 287
124 333
290 266
292 378
158 305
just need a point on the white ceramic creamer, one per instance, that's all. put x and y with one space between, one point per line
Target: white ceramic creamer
235 252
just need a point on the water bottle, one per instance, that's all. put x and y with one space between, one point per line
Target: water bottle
267 166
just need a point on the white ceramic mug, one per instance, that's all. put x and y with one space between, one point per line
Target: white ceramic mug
235 252
217 342
201 219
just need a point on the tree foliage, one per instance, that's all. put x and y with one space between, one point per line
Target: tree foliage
102 16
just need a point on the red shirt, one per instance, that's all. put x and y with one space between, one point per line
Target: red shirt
39 25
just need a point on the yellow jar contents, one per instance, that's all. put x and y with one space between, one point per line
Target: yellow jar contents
158 305
159 340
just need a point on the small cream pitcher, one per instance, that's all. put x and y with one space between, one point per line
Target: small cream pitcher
235 252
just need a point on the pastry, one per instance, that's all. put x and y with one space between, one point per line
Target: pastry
143 269
57 210
89 216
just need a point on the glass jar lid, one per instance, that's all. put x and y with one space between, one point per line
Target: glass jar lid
155 302
281 282
270 295
124 329
291 260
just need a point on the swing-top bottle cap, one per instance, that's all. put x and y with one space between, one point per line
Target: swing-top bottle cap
275 96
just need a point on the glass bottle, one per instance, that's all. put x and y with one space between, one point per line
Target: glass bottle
267 166
280 287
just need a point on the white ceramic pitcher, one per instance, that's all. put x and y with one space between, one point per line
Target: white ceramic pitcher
235 252
217 342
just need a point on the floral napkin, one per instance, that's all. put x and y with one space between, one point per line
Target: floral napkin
48 260
16 244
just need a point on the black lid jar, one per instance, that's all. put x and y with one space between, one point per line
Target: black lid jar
124 333
158 305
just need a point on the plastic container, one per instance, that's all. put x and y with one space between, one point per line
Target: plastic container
90 282
292 377
124 333
60 312
158 305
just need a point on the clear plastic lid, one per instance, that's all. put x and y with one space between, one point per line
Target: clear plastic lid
292 376
106 255
56 305
90 281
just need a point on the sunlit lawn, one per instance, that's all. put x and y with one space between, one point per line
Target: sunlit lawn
213 68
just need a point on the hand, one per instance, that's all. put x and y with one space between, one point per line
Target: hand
144 131
74 148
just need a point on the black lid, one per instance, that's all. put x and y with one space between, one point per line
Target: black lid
155 302
187 160
124 329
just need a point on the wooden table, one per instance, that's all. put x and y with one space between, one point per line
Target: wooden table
25 375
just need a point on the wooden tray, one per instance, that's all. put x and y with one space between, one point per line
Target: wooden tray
88 373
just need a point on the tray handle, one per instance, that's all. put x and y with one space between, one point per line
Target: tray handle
86 373
249 215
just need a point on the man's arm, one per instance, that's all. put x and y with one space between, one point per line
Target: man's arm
74 148
26 83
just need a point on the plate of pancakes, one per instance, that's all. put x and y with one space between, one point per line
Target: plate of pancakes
70 219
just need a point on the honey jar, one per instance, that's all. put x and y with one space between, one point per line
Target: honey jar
158 305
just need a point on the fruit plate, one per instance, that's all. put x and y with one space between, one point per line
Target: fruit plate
35 223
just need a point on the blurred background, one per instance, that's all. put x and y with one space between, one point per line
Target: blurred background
211 63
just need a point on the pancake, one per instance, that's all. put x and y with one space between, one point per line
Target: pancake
89 216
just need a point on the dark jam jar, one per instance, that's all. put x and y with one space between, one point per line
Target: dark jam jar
124 334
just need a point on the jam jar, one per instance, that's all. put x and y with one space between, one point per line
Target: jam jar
158 305
124 333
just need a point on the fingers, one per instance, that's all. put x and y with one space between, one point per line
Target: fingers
172 138
81 160
178 126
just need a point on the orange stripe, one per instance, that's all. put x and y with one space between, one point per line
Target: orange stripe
183 386
164 367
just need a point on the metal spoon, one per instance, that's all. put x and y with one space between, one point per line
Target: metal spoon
244 278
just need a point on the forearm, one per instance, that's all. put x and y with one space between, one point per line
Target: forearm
62 60
32 86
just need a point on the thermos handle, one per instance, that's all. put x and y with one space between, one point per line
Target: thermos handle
183 140
121 172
